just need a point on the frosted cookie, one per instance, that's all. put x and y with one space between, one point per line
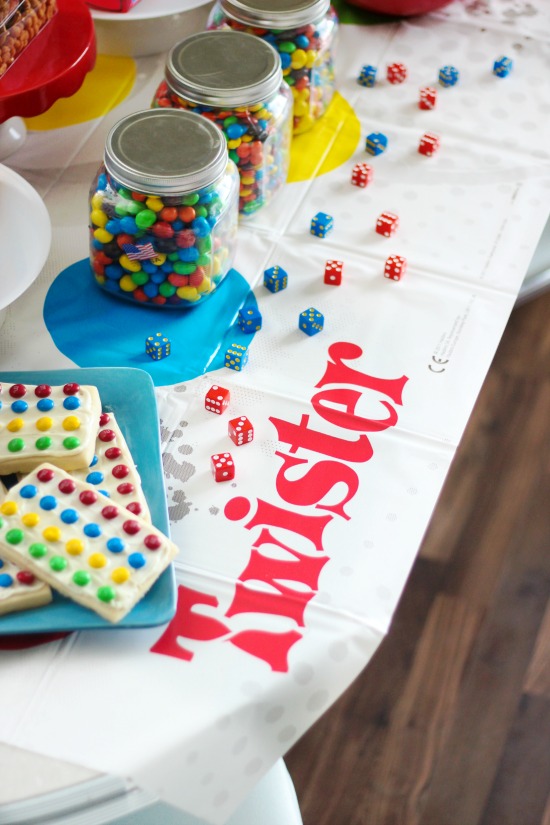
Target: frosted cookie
20 589
72 537
44 423
112 469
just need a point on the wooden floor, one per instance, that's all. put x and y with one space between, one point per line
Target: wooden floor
450 722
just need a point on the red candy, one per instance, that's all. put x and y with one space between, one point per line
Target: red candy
152 542
45 475
42 390
71 389
110 511
131 527
125 488
112 453
67 486
25 577
88 497
106 435
121 471
17 390
104 419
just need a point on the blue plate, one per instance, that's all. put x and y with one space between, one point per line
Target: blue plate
129 394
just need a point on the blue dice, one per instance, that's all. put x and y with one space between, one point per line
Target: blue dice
448 76
157 346
275 278
503 66
321 224
367 76
376 143
249 320
236 357
311 321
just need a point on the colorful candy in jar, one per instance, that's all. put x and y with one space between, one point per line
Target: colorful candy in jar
163 210
304 34
240 88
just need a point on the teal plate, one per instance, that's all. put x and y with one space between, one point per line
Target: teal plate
130 395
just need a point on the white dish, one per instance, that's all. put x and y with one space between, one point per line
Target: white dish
150 27
25 235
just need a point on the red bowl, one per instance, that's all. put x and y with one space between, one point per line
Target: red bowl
400 8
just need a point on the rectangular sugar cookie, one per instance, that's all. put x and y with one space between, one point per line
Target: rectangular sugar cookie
20 589
45 423
72 537
112 470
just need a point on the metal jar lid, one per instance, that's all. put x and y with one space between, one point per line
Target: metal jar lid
275 14
224 68
165 151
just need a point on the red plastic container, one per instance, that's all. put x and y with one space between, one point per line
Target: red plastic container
113 5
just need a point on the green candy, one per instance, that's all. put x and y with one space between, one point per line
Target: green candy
201 212
82 577
234 156
15 536
146 218
229 120
173 256
121 208
190 200
16 445
133 207
58 563
204 244
38 550
140 278
71 442
183 268
43 443
124 193
203 260
287 46
166 289
106 593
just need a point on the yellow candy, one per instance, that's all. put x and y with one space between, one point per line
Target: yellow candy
245 192
301 108
120 575
98 217
232 144
247 180
299 59
159 259
15 425
126 283
97 201
103 236
8 508
256 107
30 519
51 533
188 293
311 58
74 547
246 138
72 422
44 423
131 266
154 204
217 265
97 560
205 286
265 114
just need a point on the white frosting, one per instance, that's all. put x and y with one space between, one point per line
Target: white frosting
56 424
36 509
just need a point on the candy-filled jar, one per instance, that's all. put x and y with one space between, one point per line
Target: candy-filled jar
163 209
235 80
304 32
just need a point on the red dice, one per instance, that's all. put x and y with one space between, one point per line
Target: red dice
240 430
387 224
428 97
361 174
333 272
396 73
429 143
222 466
395 267
216 399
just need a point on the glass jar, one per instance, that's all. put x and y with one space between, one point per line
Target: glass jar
304 33
236 81
163 209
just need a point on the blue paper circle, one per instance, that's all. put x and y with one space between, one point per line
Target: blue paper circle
95 329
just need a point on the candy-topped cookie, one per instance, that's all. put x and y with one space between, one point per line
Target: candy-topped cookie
112 470
72 537
20 589
44 423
